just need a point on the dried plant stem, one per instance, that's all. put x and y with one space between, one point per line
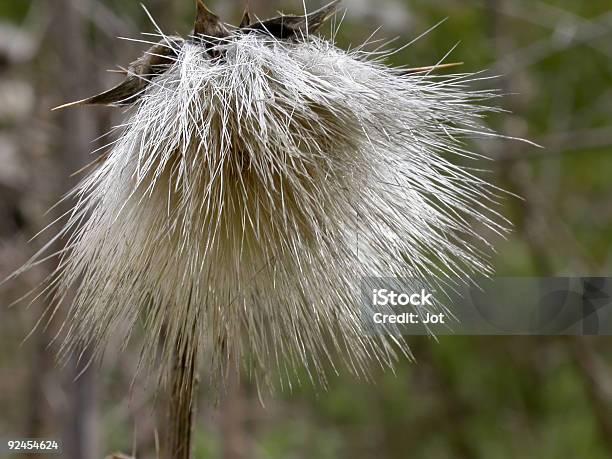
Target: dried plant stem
182 404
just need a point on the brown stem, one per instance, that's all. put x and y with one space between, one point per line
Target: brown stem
597 384
183 386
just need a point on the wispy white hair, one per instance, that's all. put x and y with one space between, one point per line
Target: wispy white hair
249 193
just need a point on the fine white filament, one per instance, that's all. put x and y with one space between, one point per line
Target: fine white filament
249 193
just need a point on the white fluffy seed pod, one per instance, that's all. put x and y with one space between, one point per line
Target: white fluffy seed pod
256 181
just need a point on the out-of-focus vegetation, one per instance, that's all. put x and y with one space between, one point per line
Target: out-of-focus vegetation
479 397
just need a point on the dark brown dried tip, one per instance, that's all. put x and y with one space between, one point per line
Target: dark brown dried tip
139 74
246 19
287 26
208 23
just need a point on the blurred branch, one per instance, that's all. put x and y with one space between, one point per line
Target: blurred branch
69 36
598 384
562 22
581 35
104 18
536 221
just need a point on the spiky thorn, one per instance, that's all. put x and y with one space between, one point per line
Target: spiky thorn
138 75
288 26
246 18
207 23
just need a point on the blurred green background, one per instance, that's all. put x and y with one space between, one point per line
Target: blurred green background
464 397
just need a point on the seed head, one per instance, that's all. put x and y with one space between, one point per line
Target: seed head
261 173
